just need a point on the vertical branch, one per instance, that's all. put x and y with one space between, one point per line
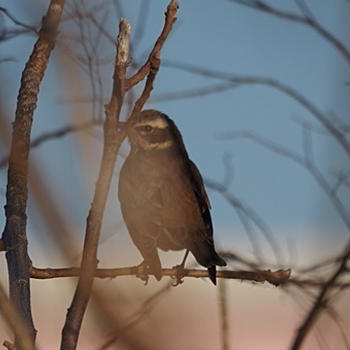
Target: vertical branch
75 314
112 142
14 235
320 302
223 314
15 322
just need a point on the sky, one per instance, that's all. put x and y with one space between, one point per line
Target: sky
222 36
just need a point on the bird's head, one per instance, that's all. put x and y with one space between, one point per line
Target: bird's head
152 130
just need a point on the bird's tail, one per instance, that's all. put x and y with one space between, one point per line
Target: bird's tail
212 273
208 257
218 261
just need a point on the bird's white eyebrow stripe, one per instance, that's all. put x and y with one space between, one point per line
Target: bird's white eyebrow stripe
155 123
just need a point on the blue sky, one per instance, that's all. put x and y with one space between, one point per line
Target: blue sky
218 35
226 37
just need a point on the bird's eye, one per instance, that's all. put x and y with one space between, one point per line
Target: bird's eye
147 128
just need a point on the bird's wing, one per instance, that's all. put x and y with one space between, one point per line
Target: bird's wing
185 203
141 203
202 197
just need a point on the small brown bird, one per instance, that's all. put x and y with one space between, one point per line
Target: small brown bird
162 196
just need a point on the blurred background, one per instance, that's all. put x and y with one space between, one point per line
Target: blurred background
247 85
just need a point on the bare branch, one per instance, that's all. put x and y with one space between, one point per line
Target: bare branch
320 302
304 161
273 277
14 235
71 330
307 19
51 135
23 334
137 316
17 22
255 80
190 93
143 71
112 142
249 213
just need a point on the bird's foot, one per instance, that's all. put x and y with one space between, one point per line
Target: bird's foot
179 275
141 272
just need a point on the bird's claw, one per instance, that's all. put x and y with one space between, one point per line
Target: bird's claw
141 273
178 276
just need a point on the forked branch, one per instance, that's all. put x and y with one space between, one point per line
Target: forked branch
75 314
112 141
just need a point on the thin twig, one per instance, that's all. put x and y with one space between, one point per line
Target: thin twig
170 18
319 303
14 235
308 20
136 317
191 93
303 160
250 213
18 22
51 135
279 86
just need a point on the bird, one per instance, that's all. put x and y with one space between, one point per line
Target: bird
162 196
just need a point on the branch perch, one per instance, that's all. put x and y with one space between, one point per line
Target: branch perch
273 277
112 142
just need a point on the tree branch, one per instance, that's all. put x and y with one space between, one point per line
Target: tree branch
273 277
112 142
143 71
17 22
15 322
306 20
75 314
277 85
14 236
50 135
305 161
320 302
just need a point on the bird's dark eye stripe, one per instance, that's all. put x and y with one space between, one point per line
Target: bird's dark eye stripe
146 128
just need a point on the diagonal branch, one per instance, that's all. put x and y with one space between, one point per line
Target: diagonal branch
304 161
75 314
143 71
50 135
307 20
112 142
273 83
14 235
18 22
249 213
320 301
